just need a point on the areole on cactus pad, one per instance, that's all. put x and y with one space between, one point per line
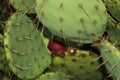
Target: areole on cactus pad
77 20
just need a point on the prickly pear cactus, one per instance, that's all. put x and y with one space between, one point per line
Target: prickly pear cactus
73 19
25 6
111 59
113 31
53 76
25 50
80 65
113 7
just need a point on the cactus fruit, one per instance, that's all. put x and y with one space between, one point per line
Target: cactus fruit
113 7
74 20
26 53
79 64
25 6
111 59
53 76
56 47
113 31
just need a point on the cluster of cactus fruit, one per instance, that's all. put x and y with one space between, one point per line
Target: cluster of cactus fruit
59 40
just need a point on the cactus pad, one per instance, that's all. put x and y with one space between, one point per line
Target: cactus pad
111 56
81 65
25 50
74 19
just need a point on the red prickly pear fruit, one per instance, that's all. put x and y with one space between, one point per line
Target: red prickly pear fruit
56 47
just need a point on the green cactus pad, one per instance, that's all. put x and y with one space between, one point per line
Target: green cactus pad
113 7
81 65
73 19
25 50
111 55
25 6
113 31
53 76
